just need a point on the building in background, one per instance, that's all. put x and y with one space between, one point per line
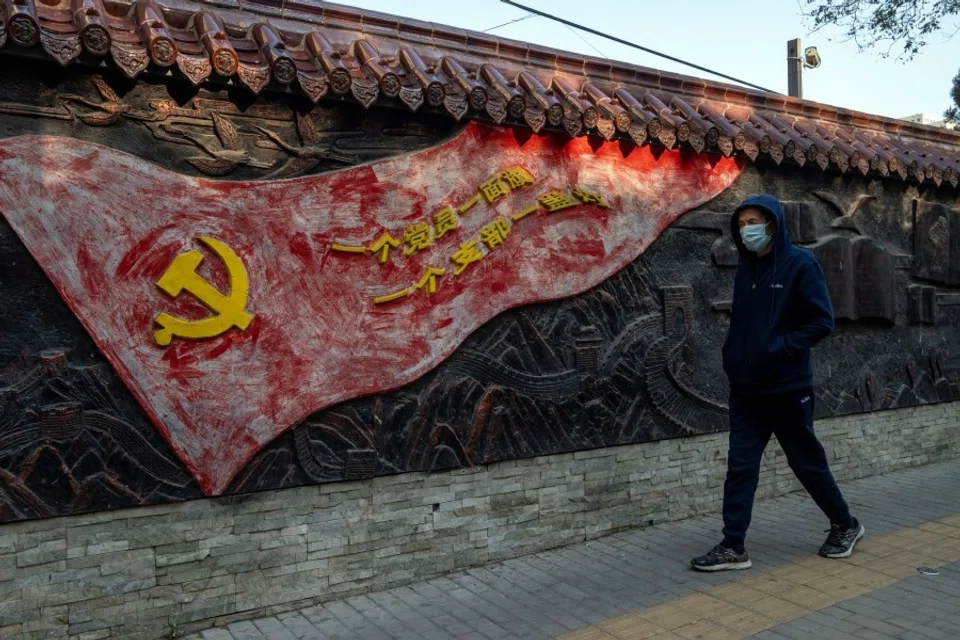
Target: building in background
923 118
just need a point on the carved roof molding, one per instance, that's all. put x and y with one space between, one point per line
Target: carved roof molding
320 48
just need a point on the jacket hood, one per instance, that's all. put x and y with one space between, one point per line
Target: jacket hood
770 204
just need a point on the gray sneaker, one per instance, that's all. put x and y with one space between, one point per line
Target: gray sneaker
842 540
722 558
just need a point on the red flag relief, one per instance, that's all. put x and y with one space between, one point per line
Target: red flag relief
233 310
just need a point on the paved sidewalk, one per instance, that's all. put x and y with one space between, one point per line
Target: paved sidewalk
637 585
918 608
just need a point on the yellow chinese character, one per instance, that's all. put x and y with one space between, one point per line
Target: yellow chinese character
467 254
346 248
445 221
516 178
417 237
523 214
469 204
495 233
586 197
493 189
428 280
383 244
557 201
390 297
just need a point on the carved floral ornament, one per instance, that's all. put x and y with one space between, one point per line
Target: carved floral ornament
96 40
510 88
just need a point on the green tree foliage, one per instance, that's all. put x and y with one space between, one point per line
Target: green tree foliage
953 113
902 25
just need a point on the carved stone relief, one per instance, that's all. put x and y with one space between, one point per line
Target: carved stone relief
267 140
634 359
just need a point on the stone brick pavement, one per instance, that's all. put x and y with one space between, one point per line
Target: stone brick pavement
919 608
636 584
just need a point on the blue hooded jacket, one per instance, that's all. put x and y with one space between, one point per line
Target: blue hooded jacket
781 308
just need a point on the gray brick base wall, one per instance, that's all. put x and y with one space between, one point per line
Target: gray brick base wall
151 571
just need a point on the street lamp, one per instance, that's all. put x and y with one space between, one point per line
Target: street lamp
796 64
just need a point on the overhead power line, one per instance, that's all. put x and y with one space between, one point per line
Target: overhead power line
588 43
634 45
529 15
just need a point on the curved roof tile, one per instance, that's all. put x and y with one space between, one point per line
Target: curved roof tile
317 47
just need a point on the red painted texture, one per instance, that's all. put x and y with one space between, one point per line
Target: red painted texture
105 225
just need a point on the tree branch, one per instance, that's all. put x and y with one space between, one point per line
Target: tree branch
904 24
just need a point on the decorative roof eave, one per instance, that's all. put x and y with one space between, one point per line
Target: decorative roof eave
319 48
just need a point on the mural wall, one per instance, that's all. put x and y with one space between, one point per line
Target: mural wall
204 296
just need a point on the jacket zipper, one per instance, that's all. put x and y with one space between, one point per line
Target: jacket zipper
746 333
751 294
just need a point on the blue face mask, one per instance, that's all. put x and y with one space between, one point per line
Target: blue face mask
755 237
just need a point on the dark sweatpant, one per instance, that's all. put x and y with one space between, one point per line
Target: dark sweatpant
790 417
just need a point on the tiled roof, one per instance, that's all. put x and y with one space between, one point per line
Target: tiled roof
319 48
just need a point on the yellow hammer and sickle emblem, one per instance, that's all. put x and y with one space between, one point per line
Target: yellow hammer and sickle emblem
229 310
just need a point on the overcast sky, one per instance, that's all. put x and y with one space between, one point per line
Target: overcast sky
742 38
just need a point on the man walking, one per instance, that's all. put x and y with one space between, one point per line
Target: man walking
781 308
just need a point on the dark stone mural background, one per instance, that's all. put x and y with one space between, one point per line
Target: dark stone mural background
636 359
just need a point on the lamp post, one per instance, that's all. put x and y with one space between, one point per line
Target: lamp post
797 63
